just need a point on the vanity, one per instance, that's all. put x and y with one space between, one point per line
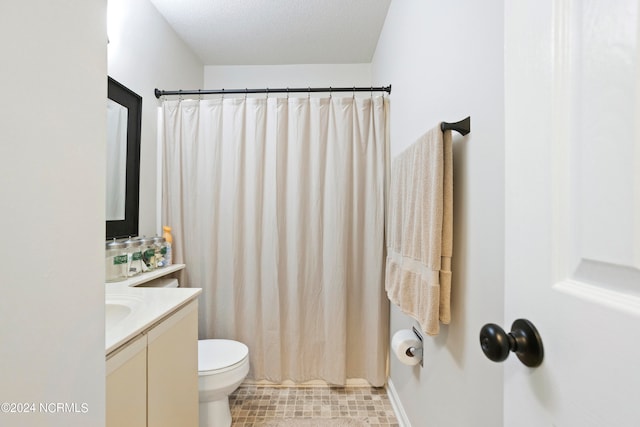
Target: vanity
151 333
151 347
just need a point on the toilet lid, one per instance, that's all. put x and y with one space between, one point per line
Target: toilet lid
220 354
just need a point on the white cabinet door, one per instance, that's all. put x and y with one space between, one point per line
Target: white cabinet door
572 72
127 386
172 376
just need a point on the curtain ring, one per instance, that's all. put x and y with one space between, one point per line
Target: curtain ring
199 95
223 94
354 92
309 94
371 92
330 92
287 93
245 93
179 95
267 93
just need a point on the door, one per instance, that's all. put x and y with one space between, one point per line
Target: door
572 112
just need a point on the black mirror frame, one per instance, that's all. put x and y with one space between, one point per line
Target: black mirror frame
133 102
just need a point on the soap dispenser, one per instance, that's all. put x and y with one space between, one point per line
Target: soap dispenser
168 256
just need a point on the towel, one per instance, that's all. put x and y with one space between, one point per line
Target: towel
420 230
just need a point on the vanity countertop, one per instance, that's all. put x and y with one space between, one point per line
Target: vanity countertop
130 311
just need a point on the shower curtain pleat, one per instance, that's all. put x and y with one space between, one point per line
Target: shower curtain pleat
277 208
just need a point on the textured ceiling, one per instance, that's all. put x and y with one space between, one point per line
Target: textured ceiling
271 32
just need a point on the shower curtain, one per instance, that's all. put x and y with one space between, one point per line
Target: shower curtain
277 208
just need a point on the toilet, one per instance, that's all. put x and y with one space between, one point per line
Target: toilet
222 366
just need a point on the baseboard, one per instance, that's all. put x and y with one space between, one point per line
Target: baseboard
403 420
351 382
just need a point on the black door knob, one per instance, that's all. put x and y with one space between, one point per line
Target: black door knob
524 340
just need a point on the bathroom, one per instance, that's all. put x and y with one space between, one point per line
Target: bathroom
445 62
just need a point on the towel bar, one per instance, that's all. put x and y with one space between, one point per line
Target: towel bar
463 127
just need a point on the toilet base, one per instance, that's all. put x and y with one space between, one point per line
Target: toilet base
215 413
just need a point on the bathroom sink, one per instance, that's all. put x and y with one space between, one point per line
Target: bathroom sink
119 307
114 313
130 311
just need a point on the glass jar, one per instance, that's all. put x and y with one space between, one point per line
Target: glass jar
161 250
134 257
116 261
149 253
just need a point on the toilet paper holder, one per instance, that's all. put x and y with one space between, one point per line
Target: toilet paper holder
416 351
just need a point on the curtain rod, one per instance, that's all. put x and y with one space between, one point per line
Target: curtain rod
160 93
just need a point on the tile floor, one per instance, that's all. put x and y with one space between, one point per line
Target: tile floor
253 404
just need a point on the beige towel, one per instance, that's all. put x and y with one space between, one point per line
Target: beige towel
420 230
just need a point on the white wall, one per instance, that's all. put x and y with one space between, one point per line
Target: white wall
282 76
145 53
52 164
445 61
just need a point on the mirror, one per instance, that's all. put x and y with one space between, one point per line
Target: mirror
124 119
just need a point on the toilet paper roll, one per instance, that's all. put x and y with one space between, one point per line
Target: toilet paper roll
402 341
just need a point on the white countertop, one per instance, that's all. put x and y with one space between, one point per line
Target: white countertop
148 306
